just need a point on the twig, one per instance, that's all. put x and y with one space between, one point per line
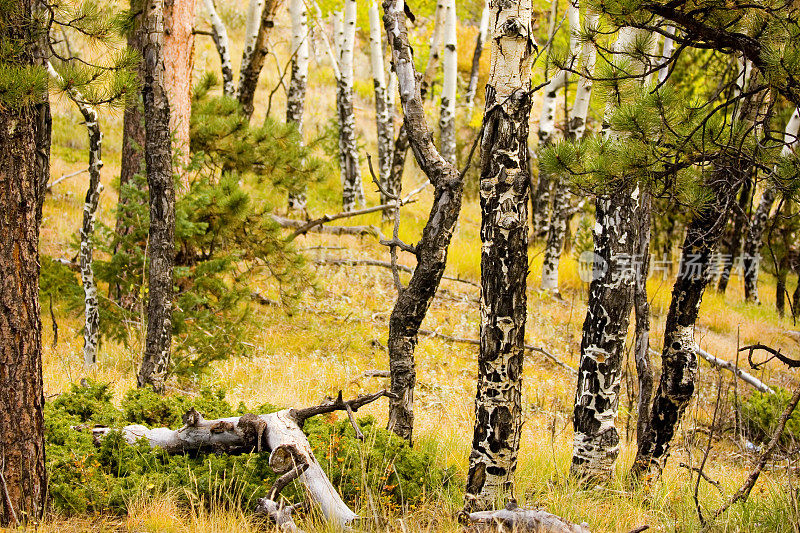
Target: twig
351 416
330 218
330 405
332 230
703 474
65 177
775 354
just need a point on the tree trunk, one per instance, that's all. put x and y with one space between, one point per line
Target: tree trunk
596 440
679 357
260 19
733 242
44 120
22 454
555 237
447 113
666 53
780 285
223 45
91 327
752 243
641 350
431 250
384 115
349 165
296 95
178 64
504 257
480 39
160 181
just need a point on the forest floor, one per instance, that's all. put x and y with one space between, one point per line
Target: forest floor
339 331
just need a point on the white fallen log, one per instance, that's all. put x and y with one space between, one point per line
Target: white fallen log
279 433
521 520
730 367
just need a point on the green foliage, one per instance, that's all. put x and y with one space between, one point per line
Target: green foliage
85 477
760 414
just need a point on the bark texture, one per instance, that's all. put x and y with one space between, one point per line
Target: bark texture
260 20
431 250
520 520
161 241
447 113
480 39
641 304
296 95
349 165
384 114
504 187
178 64
22 453
679 356
223 45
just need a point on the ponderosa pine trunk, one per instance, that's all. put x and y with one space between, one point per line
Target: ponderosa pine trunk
752 243
349 165
384 115
480 40
260 20
22 452
178 64
447 112
679 355
223 46
160 181
431 250
296 95
504 186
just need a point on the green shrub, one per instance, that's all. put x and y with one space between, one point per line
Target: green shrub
760 414
105 477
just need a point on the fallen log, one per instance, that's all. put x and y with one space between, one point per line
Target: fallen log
730 367
520 520
278 433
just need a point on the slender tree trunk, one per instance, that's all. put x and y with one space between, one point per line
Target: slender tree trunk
679 357
431 250
178 64
555 237
542 202
480 39
350 167
296 95
260 19
666 53
644 366
447 113
44 120
384 115
223 45
596 440
733 243
780 285
91 327
161 242
752 243
22 454
504 257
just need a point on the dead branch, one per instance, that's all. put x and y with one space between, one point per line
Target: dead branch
338 404
744 491
774 354
520 520
281 515
476 342
66 177
702 473
730 367
324 219
331 230
384 264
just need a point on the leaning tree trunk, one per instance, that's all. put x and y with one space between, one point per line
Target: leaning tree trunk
91 326
480 39
352 188
447 113
596 439
260 19
504 256
22 453
223 45
161 242
296 95
384 115
178 64
431 250
752 243
679 357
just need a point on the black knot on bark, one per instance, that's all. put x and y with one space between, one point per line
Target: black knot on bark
512 27
192 418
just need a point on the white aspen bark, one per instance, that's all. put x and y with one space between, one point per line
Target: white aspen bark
596 440
252 25
435 44
480 39
504 256
296 94
447 113
333 56
222 43
383 112
352 189
91 327
666 53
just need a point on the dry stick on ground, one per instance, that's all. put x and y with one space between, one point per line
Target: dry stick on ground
518 519
705 476
383 264
744 491
279 433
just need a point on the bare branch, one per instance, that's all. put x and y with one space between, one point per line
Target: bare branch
330 405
